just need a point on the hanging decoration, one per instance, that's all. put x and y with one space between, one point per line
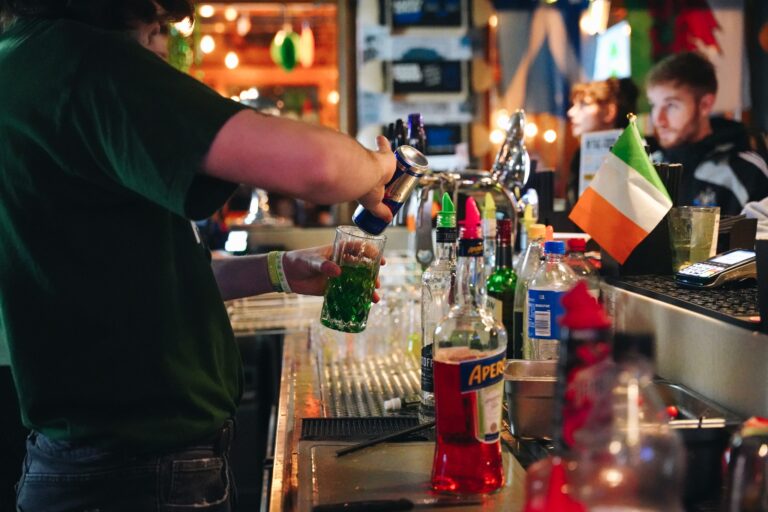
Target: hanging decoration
284 49
306 46
274 47
289 51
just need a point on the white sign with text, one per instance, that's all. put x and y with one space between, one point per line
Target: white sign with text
594 147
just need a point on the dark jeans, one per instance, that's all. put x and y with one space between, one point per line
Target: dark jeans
67 476
12 436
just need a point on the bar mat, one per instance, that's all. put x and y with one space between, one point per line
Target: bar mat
352 387
731 304
356 429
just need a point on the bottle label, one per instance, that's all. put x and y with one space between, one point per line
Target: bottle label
498 309
446 235
544 308
427 380
471 247
484 378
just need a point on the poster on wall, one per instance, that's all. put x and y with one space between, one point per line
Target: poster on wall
413 77
426 13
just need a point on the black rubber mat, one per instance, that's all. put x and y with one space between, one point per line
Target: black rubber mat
734 304
355 429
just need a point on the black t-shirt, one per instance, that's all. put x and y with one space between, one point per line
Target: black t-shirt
116 329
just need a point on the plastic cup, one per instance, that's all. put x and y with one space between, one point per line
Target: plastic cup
348 297
692 234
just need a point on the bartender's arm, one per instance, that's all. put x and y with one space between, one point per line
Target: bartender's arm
301 160
304 161
306 270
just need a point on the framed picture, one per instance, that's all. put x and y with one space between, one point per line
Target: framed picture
427 77
425 13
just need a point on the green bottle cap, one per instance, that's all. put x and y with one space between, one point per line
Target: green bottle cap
489 207
446 218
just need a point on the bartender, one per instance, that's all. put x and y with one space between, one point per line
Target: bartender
720 168
126 367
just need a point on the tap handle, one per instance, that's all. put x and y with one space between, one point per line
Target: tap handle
425 253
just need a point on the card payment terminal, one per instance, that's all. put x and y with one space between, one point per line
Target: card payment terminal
733 265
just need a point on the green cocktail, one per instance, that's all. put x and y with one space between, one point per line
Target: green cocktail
348 298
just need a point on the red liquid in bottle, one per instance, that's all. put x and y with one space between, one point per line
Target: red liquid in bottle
463 463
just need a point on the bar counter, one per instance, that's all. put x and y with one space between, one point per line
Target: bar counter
398 470
725 361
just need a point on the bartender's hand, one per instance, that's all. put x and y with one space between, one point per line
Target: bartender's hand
386 163
308 270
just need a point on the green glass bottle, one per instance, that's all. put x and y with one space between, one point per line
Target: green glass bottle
502 283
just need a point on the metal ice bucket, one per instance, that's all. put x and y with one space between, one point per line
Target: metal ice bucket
529 387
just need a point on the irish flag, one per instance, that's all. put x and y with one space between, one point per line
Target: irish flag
625 200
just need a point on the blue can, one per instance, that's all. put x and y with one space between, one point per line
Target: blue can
411 165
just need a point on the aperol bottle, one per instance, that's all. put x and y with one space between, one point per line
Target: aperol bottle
468 369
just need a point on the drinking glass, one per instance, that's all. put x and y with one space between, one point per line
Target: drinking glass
348 297
692 234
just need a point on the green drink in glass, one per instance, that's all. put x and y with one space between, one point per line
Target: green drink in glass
348 297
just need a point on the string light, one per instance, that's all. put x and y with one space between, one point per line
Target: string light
243 25
231 60
531 129
230 14
207 44
550 136
184 27
493 21
502 119
334 97
497 136
207 11
250 94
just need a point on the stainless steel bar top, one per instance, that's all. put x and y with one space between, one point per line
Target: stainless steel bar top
727 362
305 473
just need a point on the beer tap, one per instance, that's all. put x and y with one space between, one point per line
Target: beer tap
512 165
505 181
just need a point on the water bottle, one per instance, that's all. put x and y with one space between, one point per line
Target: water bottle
581 265
527 266
544 304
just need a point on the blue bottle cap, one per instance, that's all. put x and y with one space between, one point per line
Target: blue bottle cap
554 247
